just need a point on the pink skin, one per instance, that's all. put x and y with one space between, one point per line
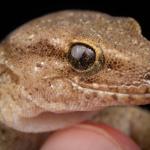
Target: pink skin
89 136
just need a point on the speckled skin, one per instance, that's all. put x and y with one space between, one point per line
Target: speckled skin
41 91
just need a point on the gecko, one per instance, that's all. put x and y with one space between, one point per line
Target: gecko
62 68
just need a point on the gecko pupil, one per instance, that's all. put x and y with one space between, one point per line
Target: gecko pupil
81 56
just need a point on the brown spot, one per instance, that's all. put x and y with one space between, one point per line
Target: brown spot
39 65
3 131
94 94
91 96
49 83
114 96
147 90
87 96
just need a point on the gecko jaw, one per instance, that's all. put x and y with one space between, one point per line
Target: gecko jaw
67 96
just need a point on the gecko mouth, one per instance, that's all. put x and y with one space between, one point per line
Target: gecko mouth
117 89
131 91
58 103
65 95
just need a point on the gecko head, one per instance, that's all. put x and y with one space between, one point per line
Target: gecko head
74 61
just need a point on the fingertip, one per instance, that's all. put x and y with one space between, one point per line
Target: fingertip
89 136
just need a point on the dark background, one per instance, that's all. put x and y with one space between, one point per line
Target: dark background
14 13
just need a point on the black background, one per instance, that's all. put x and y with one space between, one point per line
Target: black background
14 13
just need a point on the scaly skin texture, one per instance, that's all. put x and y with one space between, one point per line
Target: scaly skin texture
41 91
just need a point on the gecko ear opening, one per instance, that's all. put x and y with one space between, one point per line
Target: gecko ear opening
48 121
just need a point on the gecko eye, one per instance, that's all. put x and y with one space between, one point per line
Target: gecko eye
81 56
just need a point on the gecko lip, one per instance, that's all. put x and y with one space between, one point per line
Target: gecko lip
120 89
143 90
65 95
